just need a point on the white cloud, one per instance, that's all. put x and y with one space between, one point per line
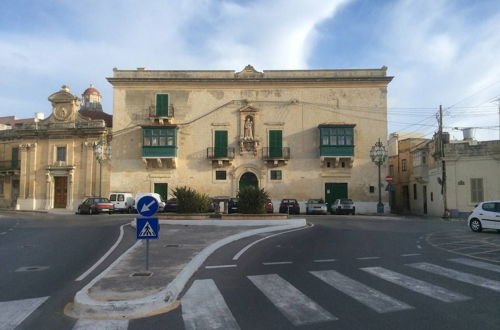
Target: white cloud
191 34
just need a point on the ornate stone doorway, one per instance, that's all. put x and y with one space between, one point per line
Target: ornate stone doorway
248 179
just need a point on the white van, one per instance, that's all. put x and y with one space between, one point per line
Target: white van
123 202
161 203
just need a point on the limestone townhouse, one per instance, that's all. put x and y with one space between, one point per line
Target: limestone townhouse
296 133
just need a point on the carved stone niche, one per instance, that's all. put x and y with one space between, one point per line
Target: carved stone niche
249 141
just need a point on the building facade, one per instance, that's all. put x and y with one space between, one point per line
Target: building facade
51 163
296 133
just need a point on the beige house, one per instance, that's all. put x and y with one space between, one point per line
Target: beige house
51 163
472 176
296 133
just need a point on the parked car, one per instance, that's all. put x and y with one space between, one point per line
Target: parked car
344 206
171 205
122 202
234 205
290 206
269 206
316 206
95 205
486 215
161 203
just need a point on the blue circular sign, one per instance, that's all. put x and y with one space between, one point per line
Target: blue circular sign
147 206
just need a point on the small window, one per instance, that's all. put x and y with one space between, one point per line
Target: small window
476 187
424 160
121 198
342 164
61 154
432 197
403 165
372 189
275 175
112 197
220 175
414 191
328 164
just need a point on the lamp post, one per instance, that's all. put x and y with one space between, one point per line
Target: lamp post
102 152
378 154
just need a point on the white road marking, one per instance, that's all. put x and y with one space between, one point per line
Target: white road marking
415 285
372 298
91 269
489 251
101 325
203 307
277 263
240 253
459 276
410 254
13 313
220 266
293 304
324 260
477 264
368 258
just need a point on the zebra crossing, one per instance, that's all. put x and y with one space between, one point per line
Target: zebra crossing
204 306
300 309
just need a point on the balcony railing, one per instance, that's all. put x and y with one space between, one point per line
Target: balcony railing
9 164
220 153
271 153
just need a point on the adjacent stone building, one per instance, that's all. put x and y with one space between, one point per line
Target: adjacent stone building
296 133
51 163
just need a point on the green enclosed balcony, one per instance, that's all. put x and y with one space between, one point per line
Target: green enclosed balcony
159 146
163 152
336 151
336 148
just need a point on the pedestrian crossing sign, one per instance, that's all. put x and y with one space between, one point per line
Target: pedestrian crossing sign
147 228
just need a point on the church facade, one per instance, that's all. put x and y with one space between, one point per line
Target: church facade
53 163
296 133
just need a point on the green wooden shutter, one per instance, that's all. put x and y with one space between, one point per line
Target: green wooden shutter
275 144
15 158
162 104
220 144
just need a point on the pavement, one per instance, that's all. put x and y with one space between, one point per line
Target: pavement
126 291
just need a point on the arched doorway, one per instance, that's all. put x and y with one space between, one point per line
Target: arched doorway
249 179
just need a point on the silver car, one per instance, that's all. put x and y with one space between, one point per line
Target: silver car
316 206
344 206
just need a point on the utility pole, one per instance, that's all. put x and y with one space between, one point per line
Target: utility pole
443 164
498 101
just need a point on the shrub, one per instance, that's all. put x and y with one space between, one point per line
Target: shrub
190 201
252 200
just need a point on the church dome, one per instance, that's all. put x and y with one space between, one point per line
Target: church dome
91 91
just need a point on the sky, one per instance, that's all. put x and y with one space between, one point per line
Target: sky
440 52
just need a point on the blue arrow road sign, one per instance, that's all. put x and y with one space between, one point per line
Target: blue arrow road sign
147 228
147 206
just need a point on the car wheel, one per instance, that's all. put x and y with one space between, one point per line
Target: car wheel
475 225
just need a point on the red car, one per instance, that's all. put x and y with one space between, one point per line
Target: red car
269 206
290 206
96 205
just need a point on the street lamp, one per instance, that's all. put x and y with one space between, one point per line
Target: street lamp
378 154
102 152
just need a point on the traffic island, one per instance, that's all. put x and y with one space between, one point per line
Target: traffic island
182 247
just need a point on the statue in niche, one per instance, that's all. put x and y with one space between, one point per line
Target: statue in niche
248 131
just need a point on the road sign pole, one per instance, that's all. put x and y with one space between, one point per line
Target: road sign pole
147 255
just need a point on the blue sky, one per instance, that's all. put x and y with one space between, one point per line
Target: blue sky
439 51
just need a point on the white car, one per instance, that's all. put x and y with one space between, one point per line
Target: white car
485 216
123 202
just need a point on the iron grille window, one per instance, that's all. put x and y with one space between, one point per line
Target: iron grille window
276 175
220 175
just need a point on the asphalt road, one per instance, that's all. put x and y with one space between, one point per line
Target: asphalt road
344 272
335 275
43 254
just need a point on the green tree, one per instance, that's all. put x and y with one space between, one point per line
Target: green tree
252 200
190 201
